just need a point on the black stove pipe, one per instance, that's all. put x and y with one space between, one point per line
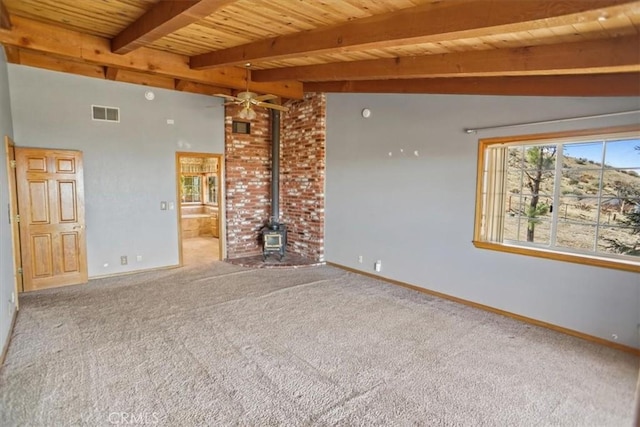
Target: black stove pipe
275 167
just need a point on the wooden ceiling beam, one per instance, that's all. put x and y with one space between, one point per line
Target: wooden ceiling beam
48 62
145 79
12 54
614 55
187 86
75 46
111 73
431 22
5 18
623 84
163 19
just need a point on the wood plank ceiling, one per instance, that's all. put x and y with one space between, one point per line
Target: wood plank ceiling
513 47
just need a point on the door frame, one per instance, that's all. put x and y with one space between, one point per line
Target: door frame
16 248
222 221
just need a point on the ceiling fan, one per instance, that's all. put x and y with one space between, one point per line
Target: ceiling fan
248 100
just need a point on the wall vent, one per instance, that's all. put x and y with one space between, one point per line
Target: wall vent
241 127
105 114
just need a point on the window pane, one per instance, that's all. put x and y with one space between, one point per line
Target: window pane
619 240
580 181
575 235
191 189
578 209
511 223
618 187
523 229
541 157
538 231
623 154
585 155
212 189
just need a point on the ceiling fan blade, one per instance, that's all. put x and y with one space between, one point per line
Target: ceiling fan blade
229 97
232 103
274 106
266 97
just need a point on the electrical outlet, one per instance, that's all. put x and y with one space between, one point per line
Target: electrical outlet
123 260
13 297
360 259
377 266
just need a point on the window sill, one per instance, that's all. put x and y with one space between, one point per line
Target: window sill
561 256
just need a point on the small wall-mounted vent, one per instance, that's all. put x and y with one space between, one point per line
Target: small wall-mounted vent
241 127
105 114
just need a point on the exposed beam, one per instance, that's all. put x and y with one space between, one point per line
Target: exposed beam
187 86
65 43
431 22
111 73
162 19
47 62
625 84
5 18
12 54
145 79
594 56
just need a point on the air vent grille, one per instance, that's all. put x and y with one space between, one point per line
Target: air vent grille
105 114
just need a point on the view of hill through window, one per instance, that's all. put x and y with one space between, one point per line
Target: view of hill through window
588 203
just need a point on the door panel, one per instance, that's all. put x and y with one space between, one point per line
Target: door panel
39 202
42 258
36 164
70 252
67 201
51 202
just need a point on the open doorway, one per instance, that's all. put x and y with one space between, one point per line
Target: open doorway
199 197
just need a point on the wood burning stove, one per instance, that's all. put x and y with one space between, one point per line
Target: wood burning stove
274 234
274 240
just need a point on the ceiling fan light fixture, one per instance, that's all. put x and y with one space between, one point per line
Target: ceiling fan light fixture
247 113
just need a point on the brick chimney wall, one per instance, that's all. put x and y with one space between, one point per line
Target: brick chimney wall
302 168
302 175
247 181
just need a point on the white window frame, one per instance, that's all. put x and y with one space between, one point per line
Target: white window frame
490 205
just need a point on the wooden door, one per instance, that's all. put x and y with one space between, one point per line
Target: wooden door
52 228
10 150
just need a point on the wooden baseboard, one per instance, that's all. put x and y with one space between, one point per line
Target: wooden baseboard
7 341
597 340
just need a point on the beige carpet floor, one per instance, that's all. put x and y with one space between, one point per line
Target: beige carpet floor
219 344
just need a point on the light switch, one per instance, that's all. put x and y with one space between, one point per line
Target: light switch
171 206
163 206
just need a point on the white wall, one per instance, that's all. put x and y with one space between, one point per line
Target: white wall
7 285
129 167
416 214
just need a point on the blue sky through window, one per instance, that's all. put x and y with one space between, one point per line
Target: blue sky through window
620 153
